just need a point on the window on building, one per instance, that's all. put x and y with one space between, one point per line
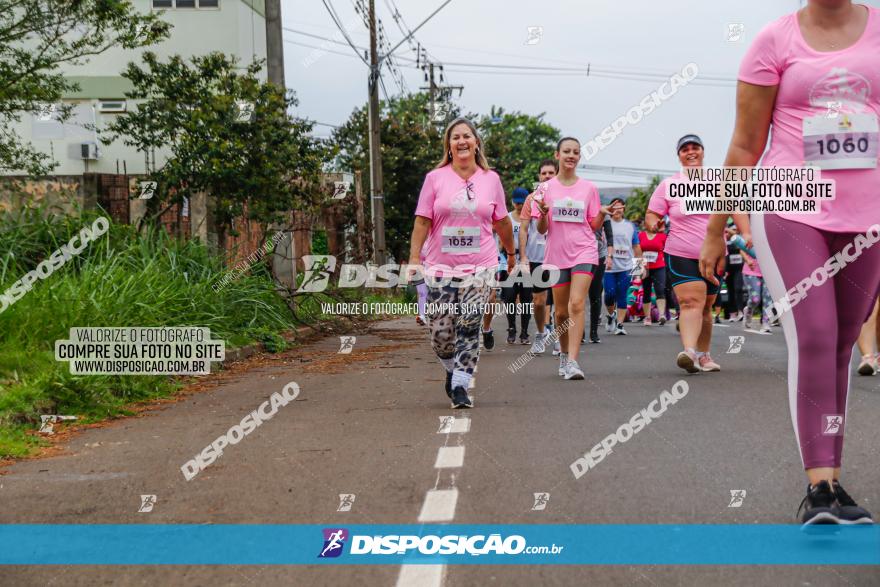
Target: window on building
186 3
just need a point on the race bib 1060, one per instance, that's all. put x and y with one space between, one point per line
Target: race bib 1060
848 141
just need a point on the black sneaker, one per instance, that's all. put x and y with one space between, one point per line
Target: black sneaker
594 337
848 511
511 336
461 399
819 505
449 384
524 338
488 340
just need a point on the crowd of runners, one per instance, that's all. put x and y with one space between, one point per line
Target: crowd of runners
691 270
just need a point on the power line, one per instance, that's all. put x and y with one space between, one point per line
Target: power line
338 23
545 71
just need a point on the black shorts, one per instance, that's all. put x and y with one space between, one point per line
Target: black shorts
684 270
565 274
543 276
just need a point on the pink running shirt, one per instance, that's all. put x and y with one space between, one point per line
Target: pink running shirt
830 84
460 238
686 232
570 243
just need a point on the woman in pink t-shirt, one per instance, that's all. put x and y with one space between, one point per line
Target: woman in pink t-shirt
696 295
569 212
462 202
814 77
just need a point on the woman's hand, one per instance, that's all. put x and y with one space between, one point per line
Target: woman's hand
414 271
712 256
542 207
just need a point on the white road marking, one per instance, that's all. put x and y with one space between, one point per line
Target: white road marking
451 425
449 457
421 575
439 505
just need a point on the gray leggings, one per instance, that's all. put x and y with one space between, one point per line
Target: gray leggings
454 333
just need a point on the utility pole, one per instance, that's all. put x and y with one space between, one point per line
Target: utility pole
274 44
434 89
377 201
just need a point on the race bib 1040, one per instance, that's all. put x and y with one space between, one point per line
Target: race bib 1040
568 210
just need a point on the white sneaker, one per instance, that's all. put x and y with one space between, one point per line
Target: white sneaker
538 347
557 349
619 330
563 364
610 323
765 328
867 366
573 371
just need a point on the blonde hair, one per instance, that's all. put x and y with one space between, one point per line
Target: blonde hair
447 151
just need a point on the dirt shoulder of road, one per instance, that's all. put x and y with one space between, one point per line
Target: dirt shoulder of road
251 358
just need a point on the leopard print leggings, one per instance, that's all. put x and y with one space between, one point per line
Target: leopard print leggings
457 334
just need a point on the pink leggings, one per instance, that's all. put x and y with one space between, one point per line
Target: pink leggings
821 328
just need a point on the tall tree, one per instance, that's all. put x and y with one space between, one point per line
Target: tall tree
227 134
637 202
515 145
36 38
411 146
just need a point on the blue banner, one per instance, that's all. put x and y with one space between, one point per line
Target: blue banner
454 544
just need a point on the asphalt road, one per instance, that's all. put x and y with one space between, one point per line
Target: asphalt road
369 424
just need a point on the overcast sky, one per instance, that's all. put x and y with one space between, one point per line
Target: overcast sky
632 36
